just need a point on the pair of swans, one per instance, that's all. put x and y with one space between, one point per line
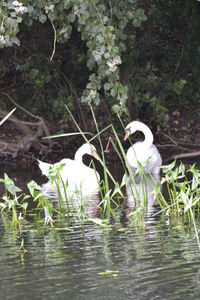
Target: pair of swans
80 177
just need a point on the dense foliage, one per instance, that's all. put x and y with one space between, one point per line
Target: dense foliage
137 57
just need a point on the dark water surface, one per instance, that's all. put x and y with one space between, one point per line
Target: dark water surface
90 262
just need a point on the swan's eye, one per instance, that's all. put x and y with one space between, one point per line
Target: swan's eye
128 129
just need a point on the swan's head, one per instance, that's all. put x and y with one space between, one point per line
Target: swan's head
132 128
136 126
86 149
90 150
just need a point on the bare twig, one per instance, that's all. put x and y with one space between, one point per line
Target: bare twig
98 12
108 145
54 40
30 137
20 107
111 14
73 91
170 138
173 146
189 154
41 124
180 58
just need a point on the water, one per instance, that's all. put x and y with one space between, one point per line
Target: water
90 262
160 264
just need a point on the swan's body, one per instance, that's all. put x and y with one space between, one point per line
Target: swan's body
144 152
77 176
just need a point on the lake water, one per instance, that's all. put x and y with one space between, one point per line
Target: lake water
92 262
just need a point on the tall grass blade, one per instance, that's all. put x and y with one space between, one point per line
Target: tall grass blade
7 116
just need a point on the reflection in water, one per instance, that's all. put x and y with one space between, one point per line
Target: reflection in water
84 188
84 201
141 191
64 264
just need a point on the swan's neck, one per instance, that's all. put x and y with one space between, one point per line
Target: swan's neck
79 155
148 136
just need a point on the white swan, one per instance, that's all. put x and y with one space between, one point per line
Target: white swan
79 177
144 152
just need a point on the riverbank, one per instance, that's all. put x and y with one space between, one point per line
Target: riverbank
180 136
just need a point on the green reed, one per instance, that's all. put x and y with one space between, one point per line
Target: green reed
184 193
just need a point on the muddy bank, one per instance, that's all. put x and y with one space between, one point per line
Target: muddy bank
180 138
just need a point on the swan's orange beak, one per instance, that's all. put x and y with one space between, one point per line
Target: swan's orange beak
127 134
95 155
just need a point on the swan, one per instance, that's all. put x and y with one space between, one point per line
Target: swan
144 152
77 176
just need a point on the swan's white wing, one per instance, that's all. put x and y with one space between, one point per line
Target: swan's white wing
44 167
137 153
155 160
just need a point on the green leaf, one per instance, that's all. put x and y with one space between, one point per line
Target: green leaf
136 23
10 185
32 186
107 86
24 205
116 109
42 18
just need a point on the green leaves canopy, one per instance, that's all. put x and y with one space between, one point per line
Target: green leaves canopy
102 26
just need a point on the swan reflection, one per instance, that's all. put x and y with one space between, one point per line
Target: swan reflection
141 191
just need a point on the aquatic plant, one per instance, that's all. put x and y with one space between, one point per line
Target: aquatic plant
11 201
184 193
42 201
177 193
